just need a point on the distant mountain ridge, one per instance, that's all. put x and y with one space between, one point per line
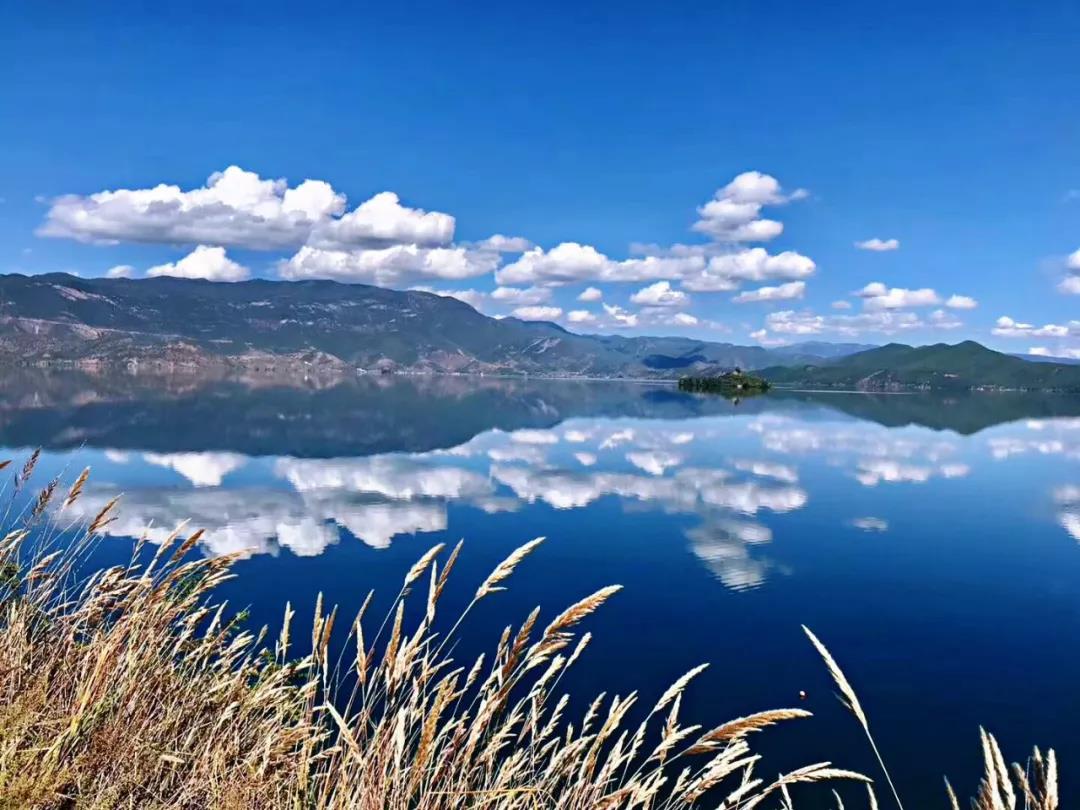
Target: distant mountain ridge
967 365
60 318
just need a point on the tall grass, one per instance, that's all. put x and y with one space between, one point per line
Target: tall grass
133 687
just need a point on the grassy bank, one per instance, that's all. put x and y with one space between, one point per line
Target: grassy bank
134 688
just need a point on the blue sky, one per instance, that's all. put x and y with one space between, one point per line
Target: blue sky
606 129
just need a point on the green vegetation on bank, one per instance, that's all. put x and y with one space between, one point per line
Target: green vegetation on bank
731 383
964 366
134 688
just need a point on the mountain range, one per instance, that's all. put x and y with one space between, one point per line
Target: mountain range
326 327
963 366
63 318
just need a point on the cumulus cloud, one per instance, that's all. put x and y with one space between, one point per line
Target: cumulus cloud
660 294
876 295
878 245
884 321
1070 285
768 469
236 208
580 316
504 244
388 267
120 271
872 472
539 313
201 469
591 295
870 524
1062 351
782 292
383 221
620 317
654 462
1007 327
763 337
521 296
961 302
573 262
386 242
727 272
734 213
941 319
205 262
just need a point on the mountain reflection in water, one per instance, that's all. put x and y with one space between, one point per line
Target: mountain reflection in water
932 541
269 467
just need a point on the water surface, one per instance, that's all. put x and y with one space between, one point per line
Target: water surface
932 543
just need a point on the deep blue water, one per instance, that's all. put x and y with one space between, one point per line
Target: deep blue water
934 544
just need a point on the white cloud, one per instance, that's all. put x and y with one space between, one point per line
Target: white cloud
201 469
877 296
580 316
389 267
1063 351
383 221
791 322
504 244
763 337
660 294
872 472
1070 285
733 215
871 524
841 305
570 261
532 436
521 296
620 317
729 271
667 316
591 294
204 262
120 271
1007 327
940 319
654 462
961 302
768 469
783 292
236 208
538 313
878 245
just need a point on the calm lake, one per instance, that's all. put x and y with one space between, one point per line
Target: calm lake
932 543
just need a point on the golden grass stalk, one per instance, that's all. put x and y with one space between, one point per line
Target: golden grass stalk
850 699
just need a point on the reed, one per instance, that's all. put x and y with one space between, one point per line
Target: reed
132 687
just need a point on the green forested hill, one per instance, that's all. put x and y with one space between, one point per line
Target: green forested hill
940 366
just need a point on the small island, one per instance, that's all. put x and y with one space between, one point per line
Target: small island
730 383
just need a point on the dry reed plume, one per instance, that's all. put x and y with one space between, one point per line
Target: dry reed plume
133 688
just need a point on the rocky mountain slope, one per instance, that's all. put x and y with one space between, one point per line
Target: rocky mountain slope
59 318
